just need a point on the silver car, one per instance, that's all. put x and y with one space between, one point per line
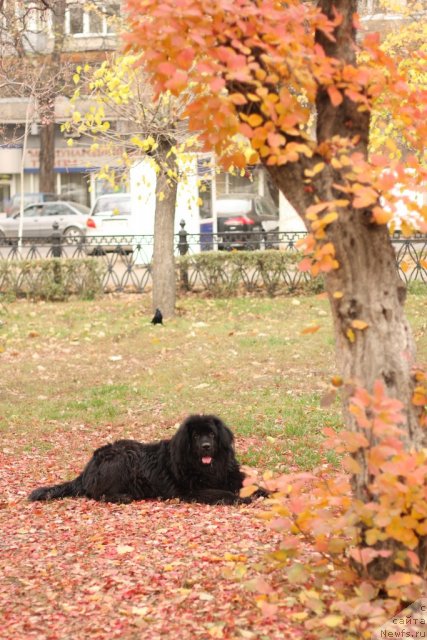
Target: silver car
39 218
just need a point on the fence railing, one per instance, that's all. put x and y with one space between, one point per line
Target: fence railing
123 263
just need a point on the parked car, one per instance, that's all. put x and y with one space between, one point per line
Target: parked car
246 221
39 218
109 221
29 198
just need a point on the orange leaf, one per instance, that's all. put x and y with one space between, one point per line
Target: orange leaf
305 265
312 329
335 96
276 140
317 208
238 98
365 197
381 216
359 324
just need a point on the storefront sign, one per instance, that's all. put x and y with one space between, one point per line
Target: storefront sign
69 157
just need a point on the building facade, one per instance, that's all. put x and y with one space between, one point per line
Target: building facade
87 35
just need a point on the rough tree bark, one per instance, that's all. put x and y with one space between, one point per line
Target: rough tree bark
367 274
47 181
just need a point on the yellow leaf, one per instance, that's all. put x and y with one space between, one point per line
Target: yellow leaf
341 203
248 490
76 78
124 548
255 120
140 611
359 324
216 631
316 169
332 621
328 218
373 535
350 335
336 163
299 616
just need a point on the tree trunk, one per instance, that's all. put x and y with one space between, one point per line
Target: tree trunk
47 182
367 278
47 178
164 277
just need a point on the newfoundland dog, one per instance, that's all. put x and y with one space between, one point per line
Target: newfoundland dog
196 465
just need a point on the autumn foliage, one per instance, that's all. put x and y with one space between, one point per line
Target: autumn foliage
302 85
256 69
329 537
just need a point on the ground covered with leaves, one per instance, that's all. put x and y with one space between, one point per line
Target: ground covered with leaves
81 569
77 375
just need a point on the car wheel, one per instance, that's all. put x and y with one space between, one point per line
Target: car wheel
73 235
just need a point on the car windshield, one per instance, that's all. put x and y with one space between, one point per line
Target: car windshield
81 208
118 205
29 198
233 206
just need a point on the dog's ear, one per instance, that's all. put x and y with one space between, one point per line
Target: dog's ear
225 435
181 440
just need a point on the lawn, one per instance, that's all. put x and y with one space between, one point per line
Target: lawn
76 375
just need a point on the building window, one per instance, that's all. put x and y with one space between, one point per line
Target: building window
91 21
75 21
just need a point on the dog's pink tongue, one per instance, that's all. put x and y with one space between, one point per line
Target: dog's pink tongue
207 460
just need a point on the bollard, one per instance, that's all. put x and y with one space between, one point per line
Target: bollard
56 252
183 247
56 239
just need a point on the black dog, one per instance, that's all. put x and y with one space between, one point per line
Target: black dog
196 465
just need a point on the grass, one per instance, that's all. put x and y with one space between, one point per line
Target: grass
101 367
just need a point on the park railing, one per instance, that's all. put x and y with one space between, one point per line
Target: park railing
237 263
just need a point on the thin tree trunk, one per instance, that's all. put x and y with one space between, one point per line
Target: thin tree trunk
164 277
47 182
47 178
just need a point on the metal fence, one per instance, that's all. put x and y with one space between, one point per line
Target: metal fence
124 263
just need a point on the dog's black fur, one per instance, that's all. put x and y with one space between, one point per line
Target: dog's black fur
196 465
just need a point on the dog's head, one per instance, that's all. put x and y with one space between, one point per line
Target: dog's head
203 439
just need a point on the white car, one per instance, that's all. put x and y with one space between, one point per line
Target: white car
108 222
